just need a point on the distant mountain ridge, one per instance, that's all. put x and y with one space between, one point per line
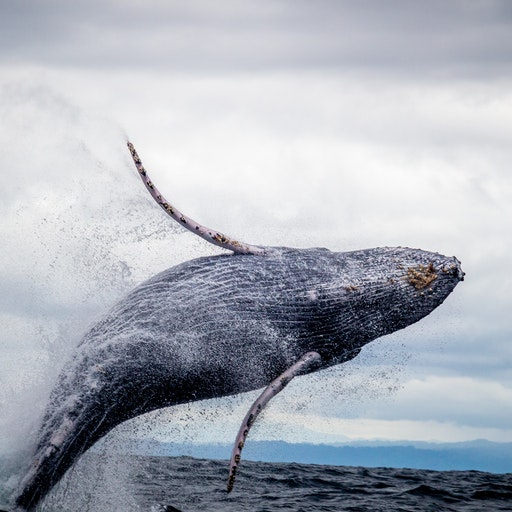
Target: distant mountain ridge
479 455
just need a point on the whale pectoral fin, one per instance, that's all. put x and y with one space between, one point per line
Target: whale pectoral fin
301 366
211 235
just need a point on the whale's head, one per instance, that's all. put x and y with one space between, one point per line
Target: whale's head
352 298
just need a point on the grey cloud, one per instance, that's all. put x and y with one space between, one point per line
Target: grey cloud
437 38
478 403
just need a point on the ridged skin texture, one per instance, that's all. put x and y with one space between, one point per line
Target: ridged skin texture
222 325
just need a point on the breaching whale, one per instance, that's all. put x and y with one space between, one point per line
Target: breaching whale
226 324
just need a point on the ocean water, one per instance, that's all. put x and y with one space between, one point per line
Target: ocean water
158 484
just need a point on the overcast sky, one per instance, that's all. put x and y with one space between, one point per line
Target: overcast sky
338 124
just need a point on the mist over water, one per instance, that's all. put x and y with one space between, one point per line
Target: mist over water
75 225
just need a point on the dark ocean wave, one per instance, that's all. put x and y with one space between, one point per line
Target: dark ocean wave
167 484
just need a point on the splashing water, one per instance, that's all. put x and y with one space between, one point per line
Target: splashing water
76 223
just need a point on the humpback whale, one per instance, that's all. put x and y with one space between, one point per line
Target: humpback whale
221 325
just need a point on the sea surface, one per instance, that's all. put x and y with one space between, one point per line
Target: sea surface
157 484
